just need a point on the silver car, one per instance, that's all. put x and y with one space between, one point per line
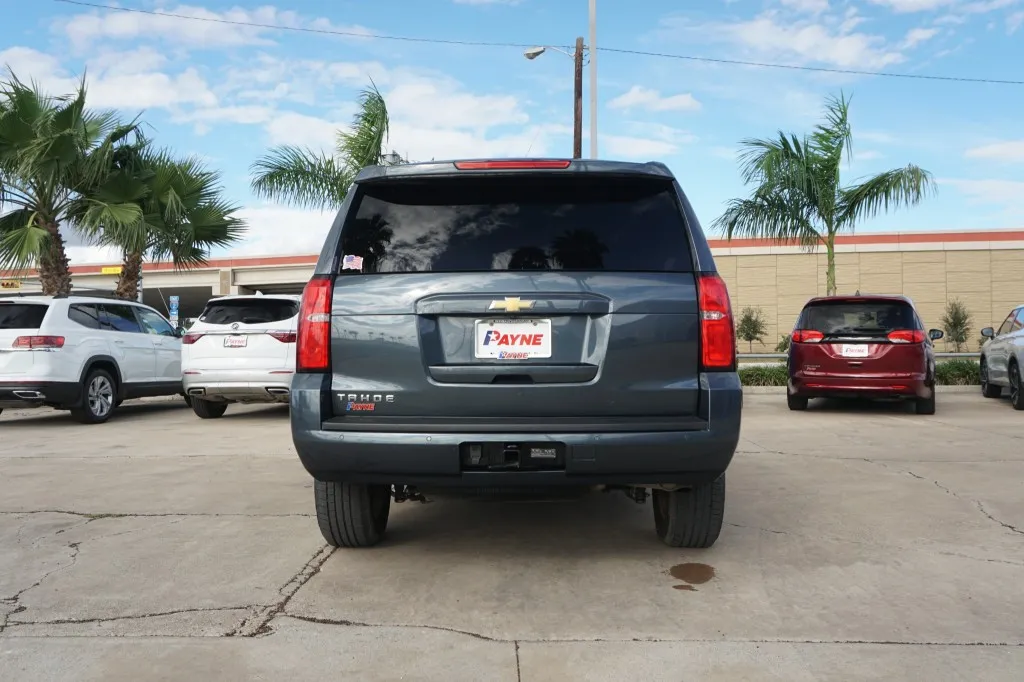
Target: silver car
1002 357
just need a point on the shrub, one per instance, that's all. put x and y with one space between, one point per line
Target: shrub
751 326
957 373
783 345
764 375
956 322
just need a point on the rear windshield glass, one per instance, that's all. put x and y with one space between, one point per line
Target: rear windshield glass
21 315
249 311
582 222
858 317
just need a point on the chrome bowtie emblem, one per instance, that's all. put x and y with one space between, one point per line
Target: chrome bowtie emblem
511 304
234 325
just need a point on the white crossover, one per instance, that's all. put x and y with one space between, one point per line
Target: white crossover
240 350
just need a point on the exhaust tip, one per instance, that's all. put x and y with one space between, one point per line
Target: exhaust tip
28 395
278 391
197 391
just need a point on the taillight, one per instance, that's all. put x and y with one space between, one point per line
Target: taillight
39 342
518 164
717 336
284 337
906 336
807 336
313 349
191 337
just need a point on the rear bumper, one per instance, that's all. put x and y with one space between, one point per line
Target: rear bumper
614 457
909 386
243 386
38 393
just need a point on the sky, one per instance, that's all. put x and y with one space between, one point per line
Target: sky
228 92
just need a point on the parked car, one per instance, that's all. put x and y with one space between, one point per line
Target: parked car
240 350
862 347
1002 357
84 354
498 325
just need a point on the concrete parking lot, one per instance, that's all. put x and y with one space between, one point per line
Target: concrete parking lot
862 542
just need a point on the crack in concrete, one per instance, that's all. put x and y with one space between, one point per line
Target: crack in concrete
519 671
977 503
16 599
611 640
94 516
139 616
260 622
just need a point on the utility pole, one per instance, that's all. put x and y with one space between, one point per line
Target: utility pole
577 103
593 78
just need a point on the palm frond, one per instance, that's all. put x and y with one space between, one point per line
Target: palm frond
897 188
769 214
21 240
301 177
363 143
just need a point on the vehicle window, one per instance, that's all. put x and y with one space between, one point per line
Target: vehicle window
249 311
22 315
119 318
154 324
1007 323
580 222
858 317
1018 322
85 315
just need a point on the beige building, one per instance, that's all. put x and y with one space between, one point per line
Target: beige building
983 269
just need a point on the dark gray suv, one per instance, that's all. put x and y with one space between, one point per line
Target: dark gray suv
516 325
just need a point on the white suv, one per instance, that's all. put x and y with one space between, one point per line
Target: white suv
84 354
241 349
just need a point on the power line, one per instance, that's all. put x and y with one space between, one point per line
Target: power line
483 43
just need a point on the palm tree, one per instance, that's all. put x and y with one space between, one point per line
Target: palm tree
183 214
54 153
798 195
310 179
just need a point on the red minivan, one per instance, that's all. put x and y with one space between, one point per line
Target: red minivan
862 347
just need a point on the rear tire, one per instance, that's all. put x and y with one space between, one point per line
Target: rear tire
690 518
352 514
99 398
207 409
988 389
796 402
925 405
1016 397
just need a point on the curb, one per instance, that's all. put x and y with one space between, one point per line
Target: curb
781 390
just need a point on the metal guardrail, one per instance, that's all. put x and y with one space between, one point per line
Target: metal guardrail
783 356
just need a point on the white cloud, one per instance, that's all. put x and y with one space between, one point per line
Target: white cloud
772 36
443 103
204 28
910 6
808 6
277 230
1009 194
652 100
625 147
916 36
289 127
83 255
1014 22
1008 150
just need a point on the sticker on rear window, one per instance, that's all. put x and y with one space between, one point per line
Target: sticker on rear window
350 262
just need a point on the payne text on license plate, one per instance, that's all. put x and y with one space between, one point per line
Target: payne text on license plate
520 339
235 341
854 350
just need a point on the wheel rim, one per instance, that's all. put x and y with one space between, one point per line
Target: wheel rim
100 396
1015 385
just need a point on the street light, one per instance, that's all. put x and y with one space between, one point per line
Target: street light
577 117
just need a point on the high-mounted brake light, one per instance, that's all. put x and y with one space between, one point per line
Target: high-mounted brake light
906 336
807 336
717 335
39 342
284 337
539 164
313 349
191 337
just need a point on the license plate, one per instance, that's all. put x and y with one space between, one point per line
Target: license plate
854 350
235 341
521 339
